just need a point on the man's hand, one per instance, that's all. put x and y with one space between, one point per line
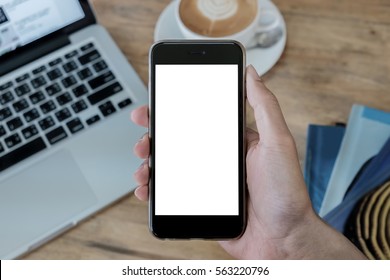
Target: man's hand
281 222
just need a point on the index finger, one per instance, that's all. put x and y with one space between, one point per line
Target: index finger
269 117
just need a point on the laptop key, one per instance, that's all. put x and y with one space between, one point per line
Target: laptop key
6 85
124 103
6 97
107 108
38 82
37 97
55 62
48 106
21 153
39 69
71 54
46 123
53 89
2 130
20 105
99 66
84 73
80 90
29 131
22 77
64 98
69 66
22 89
87 47
101 80
15 123
56 135
12 140
31 115
104 93
5 113
88 57
75 125
93 119
63 114
54 74
69 81
79 106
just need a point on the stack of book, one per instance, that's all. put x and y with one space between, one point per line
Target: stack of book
347 171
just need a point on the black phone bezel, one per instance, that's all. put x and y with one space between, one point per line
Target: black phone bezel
198 52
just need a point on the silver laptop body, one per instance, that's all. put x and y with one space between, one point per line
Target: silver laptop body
66 148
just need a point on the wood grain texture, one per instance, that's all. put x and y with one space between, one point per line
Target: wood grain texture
337 54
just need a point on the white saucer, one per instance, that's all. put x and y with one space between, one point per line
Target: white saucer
263 59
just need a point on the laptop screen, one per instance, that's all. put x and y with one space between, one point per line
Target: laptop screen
24 21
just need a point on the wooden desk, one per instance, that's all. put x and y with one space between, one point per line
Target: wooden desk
337 54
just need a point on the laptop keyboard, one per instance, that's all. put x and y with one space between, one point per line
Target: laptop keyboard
54 101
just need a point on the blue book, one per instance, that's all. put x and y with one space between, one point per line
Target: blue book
366 133
373 175
323 144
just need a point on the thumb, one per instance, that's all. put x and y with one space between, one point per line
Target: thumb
269 117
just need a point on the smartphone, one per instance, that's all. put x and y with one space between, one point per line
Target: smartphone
197 122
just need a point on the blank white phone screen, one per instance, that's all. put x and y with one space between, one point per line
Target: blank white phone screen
196 140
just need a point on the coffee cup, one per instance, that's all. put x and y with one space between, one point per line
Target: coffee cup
239 20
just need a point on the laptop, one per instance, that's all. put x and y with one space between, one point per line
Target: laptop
66 93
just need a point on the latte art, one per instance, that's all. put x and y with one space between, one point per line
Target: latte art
217 9
217 18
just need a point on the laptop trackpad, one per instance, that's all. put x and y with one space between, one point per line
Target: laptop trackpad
40 199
